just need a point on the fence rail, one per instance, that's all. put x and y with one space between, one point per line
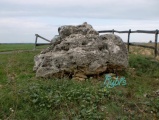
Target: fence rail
38 44
136 31
133 44
156 32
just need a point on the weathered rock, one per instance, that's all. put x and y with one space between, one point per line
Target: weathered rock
80 75
55 38
84 29
80 51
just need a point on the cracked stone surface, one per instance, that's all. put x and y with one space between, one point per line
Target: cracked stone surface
79 52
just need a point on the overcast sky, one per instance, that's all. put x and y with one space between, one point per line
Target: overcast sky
20 20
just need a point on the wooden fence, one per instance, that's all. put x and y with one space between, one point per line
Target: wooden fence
38 44
155 32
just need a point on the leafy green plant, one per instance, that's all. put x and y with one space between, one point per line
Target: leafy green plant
144 65
22 96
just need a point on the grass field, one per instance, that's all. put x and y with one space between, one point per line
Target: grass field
16 47
22 96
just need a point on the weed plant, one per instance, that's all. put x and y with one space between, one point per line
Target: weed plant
22 96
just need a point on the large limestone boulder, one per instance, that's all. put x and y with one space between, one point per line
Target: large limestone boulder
79 52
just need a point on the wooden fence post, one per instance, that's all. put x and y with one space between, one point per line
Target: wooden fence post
113 31
156 37
36 38
128 39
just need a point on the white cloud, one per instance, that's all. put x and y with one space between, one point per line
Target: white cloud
21 19
124 9
79 2
19 23
24 30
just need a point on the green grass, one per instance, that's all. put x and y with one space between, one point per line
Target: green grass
15 47
22 96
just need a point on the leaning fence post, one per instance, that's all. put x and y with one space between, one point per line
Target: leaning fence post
156 37
36 38
113 31
128 39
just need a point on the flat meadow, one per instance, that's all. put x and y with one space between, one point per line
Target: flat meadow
23 96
